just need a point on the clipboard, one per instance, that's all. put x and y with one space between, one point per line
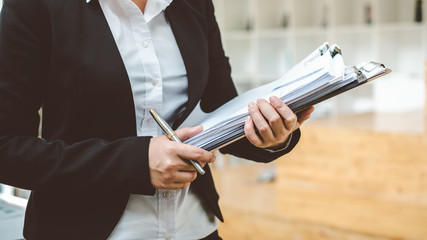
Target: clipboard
340 90
320 76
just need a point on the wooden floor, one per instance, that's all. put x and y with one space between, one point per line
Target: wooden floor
339 183
251 211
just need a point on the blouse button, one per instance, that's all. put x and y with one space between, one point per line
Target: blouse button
154 82
166 194
145 44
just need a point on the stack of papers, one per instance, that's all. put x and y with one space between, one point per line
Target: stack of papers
321 75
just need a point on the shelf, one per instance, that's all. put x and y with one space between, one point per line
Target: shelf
241 57
237 20
311 13
305 45
355 29
357 46
396 11
311 31
353 12
266 38
402 51
398 93
238 35
273 14
275 32
403 26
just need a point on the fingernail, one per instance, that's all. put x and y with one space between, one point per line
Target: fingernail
273 99
251 105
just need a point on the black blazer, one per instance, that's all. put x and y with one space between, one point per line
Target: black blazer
60 55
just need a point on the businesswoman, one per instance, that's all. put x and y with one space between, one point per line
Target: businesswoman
102 168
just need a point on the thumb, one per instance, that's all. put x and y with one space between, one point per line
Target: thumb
188 132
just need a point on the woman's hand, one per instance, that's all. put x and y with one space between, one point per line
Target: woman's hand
168 169
271 123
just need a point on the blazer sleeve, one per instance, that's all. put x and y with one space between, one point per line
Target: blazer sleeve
29 162
220 82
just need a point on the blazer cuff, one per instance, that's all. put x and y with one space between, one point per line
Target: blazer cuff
142 182
282 147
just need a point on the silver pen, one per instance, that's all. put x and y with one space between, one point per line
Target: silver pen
172 136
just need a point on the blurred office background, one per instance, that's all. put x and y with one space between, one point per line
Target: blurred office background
360 169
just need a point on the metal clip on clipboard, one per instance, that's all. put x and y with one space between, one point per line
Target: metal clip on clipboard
324 48
352 73
361 77
335 50
365 70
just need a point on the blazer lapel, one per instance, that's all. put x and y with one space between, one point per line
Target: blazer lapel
191 35
190 31
110 87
